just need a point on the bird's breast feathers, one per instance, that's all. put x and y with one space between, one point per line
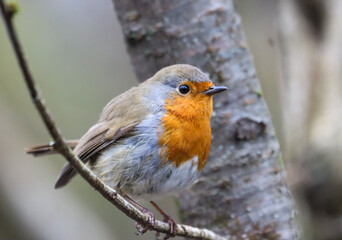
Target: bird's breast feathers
185 131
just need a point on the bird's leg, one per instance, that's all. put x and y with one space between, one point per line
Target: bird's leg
150 214
167 219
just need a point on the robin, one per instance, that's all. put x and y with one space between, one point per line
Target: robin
152 140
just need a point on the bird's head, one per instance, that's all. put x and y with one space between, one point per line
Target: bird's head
185 90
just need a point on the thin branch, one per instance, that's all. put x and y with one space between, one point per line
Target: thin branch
107 192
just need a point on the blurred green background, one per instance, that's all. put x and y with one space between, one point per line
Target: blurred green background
76 52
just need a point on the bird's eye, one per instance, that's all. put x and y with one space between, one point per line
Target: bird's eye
184 89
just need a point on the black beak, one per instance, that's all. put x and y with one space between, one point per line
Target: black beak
215 89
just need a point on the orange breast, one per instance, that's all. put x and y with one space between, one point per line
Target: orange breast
186 129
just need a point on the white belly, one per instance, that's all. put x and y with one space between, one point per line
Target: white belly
168 180
132 165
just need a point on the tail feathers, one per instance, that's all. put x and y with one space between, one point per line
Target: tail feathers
45 149
65 176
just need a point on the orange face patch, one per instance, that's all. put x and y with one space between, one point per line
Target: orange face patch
186 126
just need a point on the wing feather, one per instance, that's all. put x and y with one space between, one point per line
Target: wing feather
91 147
120 116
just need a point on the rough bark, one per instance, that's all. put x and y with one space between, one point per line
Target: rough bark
242 190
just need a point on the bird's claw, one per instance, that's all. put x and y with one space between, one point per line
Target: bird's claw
151 222
173 227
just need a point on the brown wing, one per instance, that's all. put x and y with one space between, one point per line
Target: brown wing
118 118
95 140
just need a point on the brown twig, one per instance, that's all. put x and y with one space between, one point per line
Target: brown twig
107 192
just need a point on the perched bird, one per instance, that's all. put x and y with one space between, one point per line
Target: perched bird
151 140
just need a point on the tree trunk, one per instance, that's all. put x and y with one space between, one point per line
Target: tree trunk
242 190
